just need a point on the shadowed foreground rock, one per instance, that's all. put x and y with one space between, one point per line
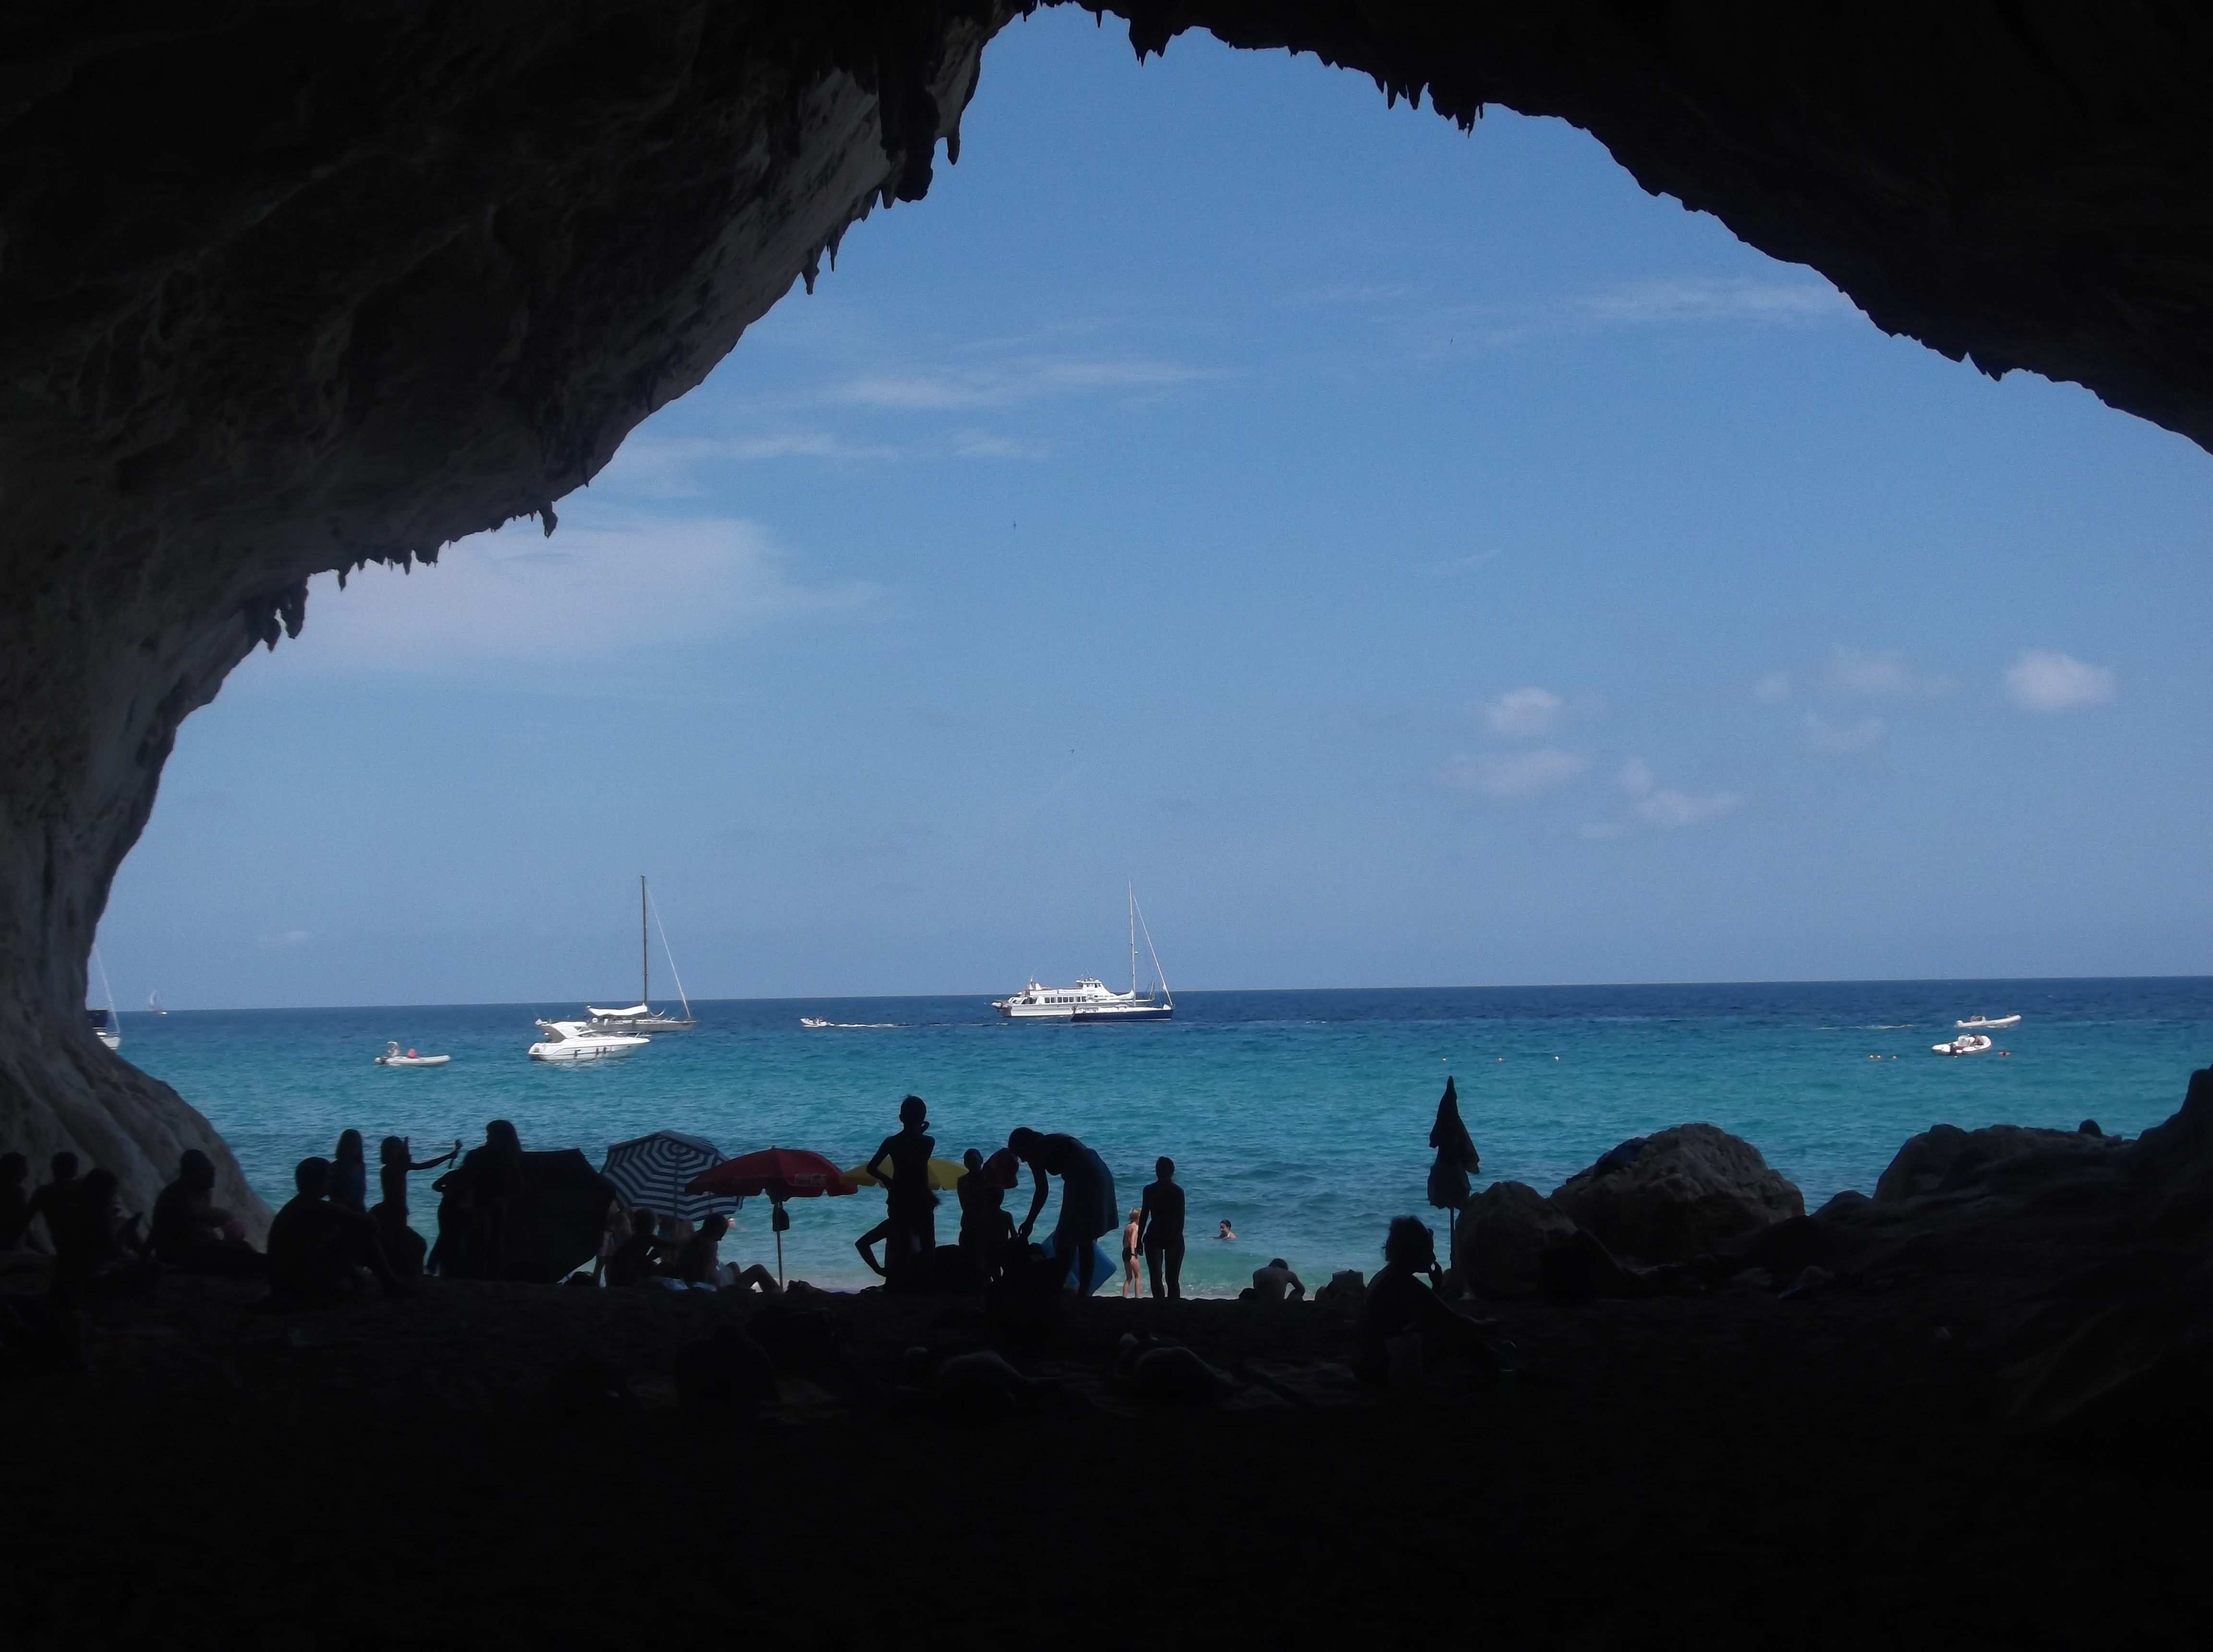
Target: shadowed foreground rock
1677 1194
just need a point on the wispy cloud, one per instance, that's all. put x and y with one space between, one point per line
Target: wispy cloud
1841 737
1524 713
284 940
598 587
1514 775
1772 689
1654 805
664 464
1672 302
1883 675
1029 379
2044 680
987 444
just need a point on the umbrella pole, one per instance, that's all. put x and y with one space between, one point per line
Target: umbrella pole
779 1257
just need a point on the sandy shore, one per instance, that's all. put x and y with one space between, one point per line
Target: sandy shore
383 1470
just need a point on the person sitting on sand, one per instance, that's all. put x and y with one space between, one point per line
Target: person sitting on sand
15 1203
1398 1303
314 1245
1089 1208
1160 1227
985 1227
696 1262
51 1201
1275 1281
909 1206
94 1247
192 1233
1131 1286
636 1261
1226 1235
403 1246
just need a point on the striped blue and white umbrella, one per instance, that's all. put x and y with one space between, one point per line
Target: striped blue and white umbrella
651 1171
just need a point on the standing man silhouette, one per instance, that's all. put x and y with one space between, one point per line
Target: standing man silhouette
1160 1227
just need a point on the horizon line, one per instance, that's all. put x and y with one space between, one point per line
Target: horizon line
1527 986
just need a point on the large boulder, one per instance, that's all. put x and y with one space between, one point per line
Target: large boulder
1944 1157
1679 1194
1503 1231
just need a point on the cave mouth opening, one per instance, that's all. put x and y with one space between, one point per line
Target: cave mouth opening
421 280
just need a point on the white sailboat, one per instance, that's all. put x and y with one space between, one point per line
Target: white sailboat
1091 1000
107 1025
154 1003
1987 1023
642 1017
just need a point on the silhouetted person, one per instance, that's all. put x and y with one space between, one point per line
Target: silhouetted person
1398 1303
314 1245
985 1227
636 1259
190 1231
696 1262
94 1248
910 1207
489 1181
403 1246
1160 1227
879 1234
1275 1281
14 1201
349 1173
53 1199
1131 1286
1088 1206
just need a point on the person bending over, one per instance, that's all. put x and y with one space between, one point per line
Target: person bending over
1276 1282
190 1232
1400 1303
314 1245
1088 1205
1160 1227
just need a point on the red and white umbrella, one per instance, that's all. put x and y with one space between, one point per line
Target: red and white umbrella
780 1172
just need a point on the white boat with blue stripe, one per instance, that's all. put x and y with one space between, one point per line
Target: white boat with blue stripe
1091 1000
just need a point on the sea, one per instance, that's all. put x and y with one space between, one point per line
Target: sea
1300 1118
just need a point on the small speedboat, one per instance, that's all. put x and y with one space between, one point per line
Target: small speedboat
393 1056
812 1020
580 1041
1988 1023
1967 1043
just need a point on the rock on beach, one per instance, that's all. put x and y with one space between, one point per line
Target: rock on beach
1502 1233
1677 1194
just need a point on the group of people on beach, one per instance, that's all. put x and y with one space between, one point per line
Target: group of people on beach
327 1238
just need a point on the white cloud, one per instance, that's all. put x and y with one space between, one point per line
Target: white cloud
1524 713
1515 774
936 390
599 587
1825 736
1772 689
2044 680
1670 807
1659 806
662 466
984 444
1648 303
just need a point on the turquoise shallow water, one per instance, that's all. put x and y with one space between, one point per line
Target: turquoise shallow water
1303 1117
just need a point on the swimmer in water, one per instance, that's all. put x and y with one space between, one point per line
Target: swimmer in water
1226 1232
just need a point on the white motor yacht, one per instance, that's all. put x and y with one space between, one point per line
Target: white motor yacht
578 1041
1091 1000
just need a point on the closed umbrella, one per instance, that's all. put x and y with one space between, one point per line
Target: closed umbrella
1457 1158
653 1171
782 1173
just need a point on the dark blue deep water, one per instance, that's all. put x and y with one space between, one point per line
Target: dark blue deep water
1303 1117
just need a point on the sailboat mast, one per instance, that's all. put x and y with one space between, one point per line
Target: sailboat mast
1132 893
644 951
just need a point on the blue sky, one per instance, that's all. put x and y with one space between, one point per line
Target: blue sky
1411 556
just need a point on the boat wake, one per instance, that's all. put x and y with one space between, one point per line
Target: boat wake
816 1021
